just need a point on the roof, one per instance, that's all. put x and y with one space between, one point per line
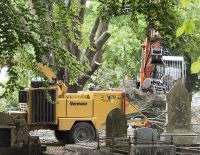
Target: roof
173 58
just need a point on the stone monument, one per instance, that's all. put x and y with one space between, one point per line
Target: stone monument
178 120
116 125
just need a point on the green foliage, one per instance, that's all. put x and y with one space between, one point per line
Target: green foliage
25 37
122 51
184 2
191 17
195 68
28 33
187 27
106 78
10 103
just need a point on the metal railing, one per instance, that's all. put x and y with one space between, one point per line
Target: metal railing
114 142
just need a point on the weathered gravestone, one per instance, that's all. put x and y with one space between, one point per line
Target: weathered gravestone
116 125
179 115
15 138
146 135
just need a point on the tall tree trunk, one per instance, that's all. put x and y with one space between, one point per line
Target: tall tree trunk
98 37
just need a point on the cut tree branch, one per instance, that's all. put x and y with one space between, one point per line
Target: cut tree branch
91 38
82 11
102 36
84 78
101 40
94 30
78 32
98 45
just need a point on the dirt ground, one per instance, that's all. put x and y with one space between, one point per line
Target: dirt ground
53 147
48 139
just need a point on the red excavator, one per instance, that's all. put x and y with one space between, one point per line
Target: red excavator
152 53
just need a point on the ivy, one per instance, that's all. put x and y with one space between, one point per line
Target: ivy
27 35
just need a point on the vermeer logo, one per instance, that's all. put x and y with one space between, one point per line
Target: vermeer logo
77 104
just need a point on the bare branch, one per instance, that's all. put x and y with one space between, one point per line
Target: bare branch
101 40
91 38
98 55
78 32
50 8
82 11
102 37
68 4
94 30
98 46
83 79
103 27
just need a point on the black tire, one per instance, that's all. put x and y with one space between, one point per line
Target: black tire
82 132
61 136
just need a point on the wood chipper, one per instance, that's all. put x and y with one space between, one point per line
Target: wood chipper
75 117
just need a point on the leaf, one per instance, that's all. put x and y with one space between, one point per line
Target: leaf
180 31
184 2
189 26
195 68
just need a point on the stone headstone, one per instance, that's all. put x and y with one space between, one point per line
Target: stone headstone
146 135
178 122
179 107
116 124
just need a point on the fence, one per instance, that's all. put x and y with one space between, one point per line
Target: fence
174 69
126 143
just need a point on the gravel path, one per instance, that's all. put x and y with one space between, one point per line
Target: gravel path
48 139
58 150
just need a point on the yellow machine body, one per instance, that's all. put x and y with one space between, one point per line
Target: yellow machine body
51 108
89 106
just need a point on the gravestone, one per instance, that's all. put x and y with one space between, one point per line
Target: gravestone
146 135
178 123
179 108
116 125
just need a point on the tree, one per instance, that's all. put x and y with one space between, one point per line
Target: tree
53 30
23 42
122 52
188 36
67 17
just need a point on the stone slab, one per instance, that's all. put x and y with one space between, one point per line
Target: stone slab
88 150
178 122
145 135
153 150
179 138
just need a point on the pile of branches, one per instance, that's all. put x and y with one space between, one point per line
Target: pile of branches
152 105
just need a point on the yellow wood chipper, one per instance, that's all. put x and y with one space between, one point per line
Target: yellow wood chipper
75 117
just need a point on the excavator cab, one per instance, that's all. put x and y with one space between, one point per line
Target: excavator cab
156 57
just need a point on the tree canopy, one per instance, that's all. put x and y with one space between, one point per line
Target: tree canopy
75 39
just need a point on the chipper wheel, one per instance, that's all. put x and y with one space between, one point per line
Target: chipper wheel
82 132
61 136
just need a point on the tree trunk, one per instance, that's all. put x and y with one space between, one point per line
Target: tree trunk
98 37
192 82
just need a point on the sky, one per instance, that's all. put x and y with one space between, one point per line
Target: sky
3 74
